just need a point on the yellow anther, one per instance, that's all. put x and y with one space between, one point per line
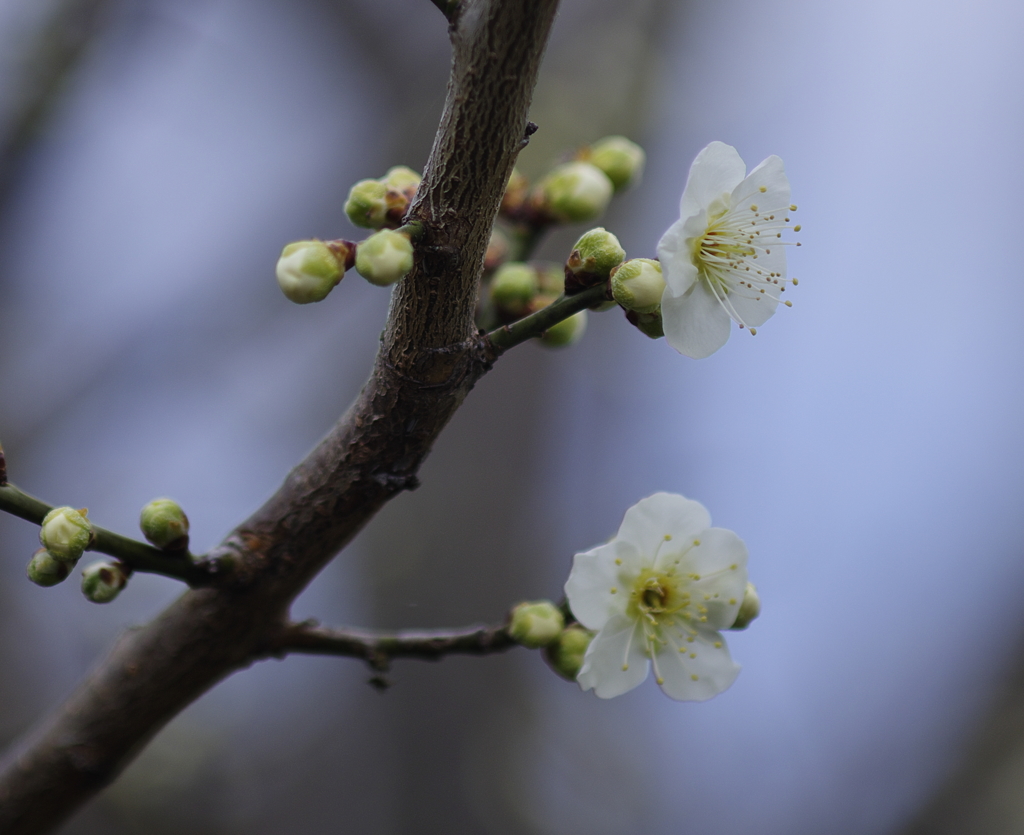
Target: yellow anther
792 207
618 561
718 644
668 537
693 655
732 601
694 676
797 228
625 667
762 189
614 590
788 303
795 282
660 680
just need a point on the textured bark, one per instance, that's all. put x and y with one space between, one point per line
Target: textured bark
430 357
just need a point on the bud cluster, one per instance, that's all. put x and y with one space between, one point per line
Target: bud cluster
379 204
65 533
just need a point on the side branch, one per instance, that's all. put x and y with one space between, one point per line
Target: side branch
378 647
508 336
137 555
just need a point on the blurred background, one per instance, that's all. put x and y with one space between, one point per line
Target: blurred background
154 157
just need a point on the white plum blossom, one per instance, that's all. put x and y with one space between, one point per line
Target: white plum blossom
657 594
724 258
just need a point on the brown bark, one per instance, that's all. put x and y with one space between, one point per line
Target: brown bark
430 357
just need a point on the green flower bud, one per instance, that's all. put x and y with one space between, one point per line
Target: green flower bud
66 533
44 569
384 258
622 161
649 324
593 257
103 581
575 192
165 524
401 178
536 624
639 285
750 608
367 204
513 289
567 332
566 655
308 270
552 281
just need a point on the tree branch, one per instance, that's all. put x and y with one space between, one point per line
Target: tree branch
137 555
429 359
379 647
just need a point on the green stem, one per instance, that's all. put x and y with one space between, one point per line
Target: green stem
137 555
508 336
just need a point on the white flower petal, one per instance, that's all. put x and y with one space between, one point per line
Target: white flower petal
615 661
695 324
677 265
594 574
772 176
650 520
721 563
716 171
701 670
752 307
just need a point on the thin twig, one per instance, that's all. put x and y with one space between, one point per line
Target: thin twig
138 555
379 647
508 336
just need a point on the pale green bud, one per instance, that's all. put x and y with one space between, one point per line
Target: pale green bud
308 270
595 255
367 204
44 569
567 332
66 533
164 524
750 608
384 258
401 178
103 581
536 624
552 280
566 655
649 324
639 285
622 161
513 289
575 192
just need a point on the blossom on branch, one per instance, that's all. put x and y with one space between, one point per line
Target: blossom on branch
724 258
657 594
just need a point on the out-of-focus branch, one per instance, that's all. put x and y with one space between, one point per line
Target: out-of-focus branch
49 61
430 357
379 647
137 555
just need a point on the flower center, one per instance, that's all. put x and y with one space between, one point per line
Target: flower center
726 254
656 596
